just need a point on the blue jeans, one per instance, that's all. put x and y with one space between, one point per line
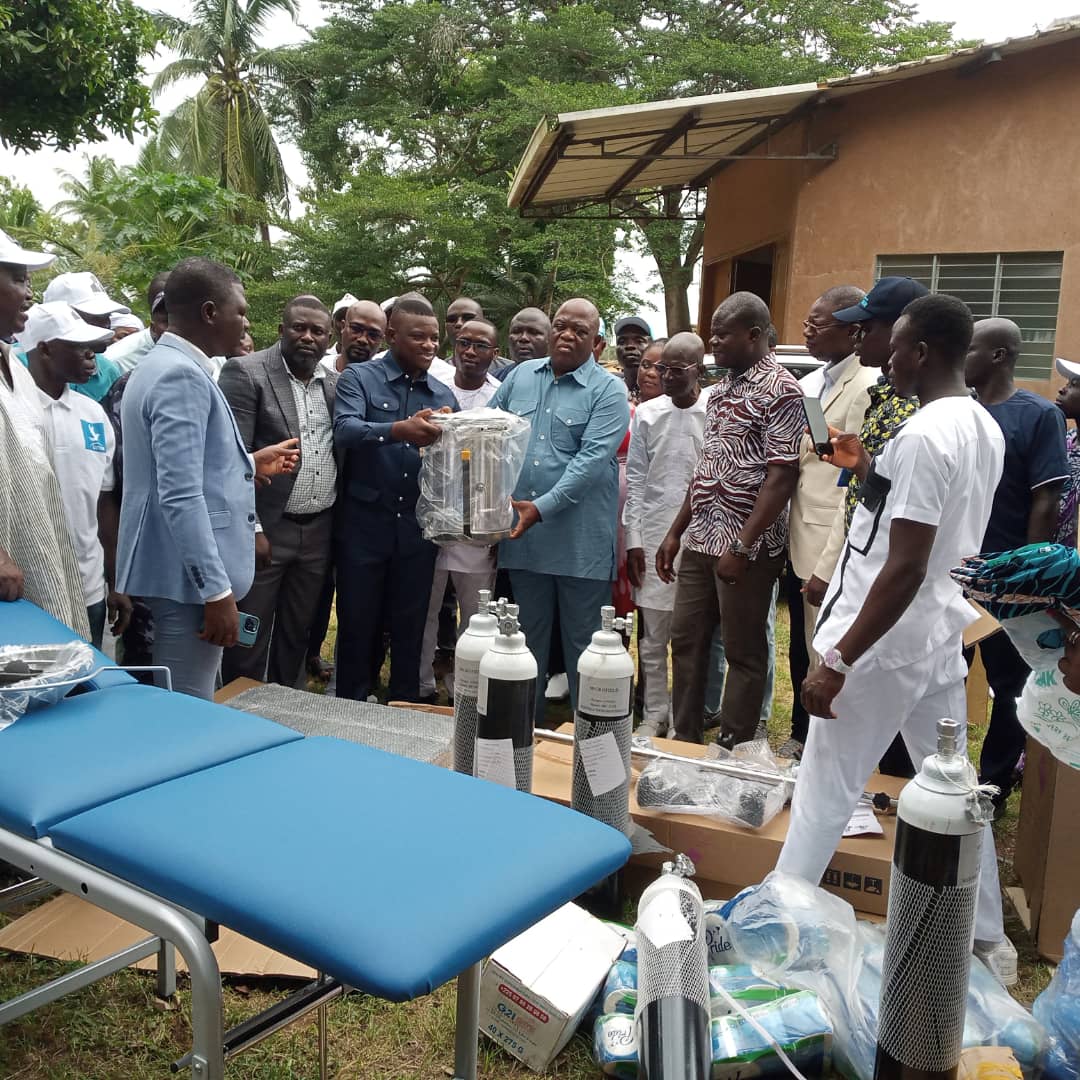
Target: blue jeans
714 686
579 603
95 616
193 662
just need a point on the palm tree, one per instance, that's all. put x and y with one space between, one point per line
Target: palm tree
223 129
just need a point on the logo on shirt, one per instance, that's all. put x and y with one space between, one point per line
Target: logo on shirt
94 436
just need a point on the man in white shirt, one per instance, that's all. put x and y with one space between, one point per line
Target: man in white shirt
665 444
471 568
890 629
61 347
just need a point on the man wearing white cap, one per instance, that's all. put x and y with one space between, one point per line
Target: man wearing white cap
36 556
85 293
61 347
332 359
126 352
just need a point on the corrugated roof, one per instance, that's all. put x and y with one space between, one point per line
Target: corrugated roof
601 153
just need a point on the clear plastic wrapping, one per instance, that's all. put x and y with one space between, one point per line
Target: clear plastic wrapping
1058 1008
683 787
33 676
468 475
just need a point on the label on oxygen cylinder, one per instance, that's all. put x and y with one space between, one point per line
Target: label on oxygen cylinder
603 762
467 677
495 761
604 698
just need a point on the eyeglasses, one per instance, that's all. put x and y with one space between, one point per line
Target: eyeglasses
675 369
369 332
816 328
482 347
462 318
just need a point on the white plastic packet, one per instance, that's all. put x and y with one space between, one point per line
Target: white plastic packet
33 676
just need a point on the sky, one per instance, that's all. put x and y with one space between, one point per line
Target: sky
991 20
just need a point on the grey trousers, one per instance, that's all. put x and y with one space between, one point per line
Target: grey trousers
701 600
193 663
285 597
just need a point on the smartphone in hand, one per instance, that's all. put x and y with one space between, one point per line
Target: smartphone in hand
249 630
816 422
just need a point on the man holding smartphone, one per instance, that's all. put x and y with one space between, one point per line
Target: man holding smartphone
187 523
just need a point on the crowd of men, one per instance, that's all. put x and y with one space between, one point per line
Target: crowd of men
209 500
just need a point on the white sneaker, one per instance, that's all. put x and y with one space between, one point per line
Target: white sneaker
1000 958
558 688
647 729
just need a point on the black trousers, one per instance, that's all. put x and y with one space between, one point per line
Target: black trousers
1006 674
380 575
798 653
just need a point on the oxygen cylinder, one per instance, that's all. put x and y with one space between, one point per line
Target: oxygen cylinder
671 1019
471 646
931 917
603 726
506 705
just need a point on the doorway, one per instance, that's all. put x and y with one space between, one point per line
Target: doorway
752 271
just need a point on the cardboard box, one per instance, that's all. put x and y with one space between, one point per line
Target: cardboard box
727 857
535 989
1045 853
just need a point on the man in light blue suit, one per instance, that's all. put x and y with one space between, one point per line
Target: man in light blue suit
187 524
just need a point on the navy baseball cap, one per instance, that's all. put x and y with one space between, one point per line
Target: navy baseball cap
885 301
633 322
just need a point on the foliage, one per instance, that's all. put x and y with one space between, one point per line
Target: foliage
224 130
70 71
443 98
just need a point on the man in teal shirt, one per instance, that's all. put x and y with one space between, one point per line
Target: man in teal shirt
561 553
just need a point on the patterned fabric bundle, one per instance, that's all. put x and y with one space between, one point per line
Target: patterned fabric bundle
1020 582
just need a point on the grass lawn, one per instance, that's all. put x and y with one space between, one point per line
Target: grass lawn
118 1030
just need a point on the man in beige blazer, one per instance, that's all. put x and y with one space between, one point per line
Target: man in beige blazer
842 385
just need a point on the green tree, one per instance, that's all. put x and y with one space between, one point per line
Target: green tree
224 130
71 71
448 94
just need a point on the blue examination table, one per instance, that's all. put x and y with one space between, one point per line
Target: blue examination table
384 874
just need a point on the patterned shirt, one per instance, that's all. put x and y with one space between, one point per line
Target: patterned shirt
315 486
888 410
753 420
1070 497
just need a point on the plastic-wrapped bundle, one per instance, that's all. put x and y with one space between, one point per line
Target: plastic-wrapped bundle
33 676
467 476
800 935
672 1017
737 1049
677 787
1058 1009
471 647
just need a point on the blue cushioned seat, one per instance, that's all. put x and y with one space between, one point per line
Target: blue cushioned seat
89 749
388 874
23 623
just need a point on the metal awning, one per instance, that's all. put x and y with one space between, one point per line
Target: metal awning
592 157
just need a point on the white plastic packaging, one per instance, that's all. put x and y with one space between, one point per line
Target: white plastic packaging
468 475
33 676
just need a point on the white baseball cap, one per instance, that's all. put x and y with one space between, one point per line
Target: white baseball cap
13 255
1069 368
346 301
83 292
58 321
125 318
386 305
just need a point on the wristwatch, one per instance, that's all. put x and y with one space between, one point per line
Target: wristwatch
835 662
739 548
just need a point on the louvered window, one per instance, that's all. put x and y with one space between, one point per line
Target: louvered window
1022 286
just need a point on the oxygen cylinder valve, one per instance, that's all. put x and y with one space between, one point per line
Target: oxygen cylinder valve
624 624
947 731
508 618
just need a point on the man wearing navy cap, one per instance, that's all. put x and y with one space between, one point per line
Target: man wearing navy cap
632 337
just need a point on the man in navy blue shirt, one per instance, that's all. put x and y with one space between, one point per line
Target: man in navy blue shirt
1025 511
383 561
